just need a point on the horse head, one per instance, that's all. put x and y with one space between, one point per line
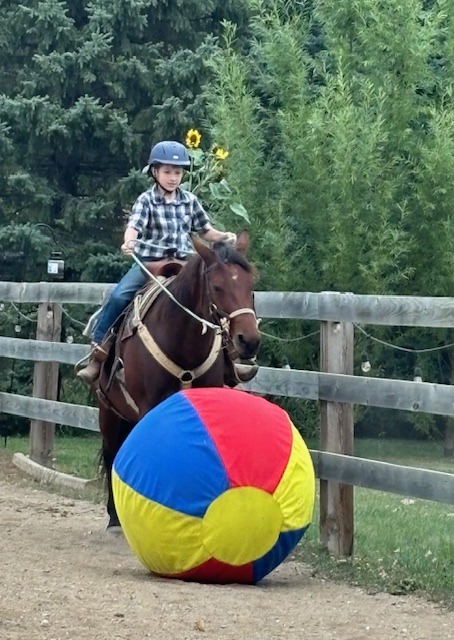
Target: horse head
230 288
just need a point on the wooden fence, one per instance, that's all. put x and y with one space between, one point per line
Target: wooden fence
335 387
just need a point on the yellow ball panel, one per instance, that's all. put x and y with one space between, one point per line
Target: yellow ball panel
165 540
296 491
241 525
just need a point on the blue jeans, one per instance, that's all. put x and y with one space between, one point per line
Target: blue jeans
119 299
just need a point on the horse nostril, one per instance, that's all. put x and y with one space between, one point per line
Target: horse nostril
248 347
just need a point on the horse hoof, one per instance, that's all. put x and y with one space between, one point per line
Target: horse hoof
114 532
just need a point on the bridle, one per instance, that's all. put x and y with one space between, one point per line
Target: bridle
221 328
220 317
223 319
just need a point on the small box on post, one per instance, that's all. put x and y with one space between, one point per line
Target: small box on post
56 266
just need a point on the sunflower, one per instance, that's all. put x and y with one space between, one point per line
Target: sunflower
193 138
221 154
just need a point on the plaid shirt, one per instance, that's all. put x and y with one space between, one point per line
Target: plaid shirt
164 227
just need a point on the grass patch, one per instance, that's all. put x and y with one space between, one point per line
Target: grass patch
77 456
401 545
413 453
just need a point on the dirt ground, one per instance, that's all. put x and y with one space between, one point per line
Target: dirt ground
62 577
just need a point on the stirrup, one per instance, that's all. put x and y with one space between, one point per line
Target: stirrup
83 362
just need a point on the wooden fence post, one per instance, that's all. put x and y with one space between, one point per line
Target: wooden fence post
45 384
448 445
336 436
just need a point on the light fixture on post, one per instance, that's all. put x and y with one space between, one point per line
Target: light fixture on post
365 364
56 266
417 375
56 263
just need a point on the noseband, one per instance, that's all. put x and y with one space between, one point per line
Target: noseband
224 318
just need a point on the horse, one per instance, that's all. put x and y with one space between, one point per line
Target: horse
184 338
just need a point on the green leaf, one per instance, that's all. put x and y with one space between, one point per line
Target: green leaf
240 211
216 192
197 156
225 186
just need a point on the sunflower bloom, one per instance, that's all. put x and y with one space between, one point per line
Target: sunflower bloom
221 154
193 138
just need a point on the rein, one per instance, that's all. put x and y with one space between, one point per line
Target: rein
205 323
224 318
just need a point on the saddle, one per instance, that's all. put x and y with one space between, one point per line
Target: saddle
165 271
166 267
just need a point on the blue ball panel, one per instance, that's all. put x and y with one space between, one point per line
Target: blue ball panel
286 542
172 443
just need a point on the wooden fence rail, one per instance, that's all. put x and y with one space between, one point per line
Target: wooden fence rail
334 386
405 395
329 306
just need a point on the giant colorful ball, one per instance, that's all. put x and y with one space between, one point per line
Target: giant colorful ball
214 485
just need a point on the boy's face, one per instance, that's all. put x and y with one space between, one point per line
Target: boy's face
169 176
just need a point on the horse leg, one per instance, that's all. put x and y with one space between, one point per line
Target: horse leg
114 431
110 506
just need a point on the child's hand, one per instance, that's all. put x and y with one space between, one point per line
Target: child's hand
128 247
229 238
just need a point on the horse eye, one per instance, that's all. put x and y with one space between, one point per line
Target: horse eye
217 289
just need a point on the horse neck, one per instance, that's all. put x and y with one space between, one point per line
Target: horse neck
189 290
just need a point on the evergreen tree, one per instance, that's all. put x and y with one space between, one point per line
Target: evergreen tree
87 88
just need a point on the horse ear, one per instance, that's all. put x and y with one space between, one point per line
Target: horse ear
203 250
242 242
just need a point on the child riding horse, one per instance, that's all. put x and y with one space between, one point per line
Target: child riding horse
182 339
160 225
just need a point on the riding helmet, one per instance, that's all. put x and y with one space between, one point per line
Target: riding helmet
168 152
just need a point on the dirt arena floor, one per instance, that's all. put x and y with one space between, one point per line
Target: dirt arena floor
63 578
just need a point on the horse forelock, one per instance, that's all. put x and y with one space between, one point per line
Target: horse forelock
225 254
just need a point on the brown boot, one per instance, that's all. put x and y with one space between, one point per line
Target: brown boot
90 373
236 372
